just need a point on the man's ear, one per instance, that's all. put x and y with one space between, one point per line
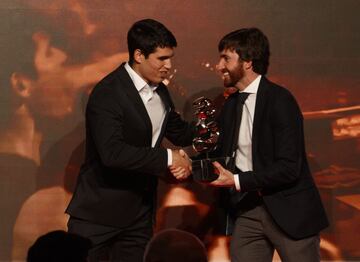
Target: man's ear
21 84
247 65
138 56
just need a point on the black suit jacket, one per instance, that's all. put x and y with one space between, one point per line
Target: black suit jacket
280 168
118 179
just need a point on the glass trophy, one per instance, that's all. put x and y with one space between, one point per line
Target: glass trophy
205 141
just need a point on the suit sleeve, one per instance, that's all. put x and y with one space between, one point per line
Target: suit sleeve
106 127
178 131
287 139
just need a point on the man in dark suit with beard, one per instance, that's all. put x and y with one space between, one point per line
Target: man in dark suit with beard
128 114
269 194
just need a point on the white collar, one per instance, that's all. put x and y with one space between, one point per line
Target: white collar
253 87
138 81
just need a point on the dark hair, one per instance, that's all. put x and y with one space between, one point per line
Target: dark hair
175 245
251 45
147 35
59 246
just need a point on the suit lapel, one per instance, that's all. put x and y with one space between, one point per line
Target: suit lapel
161 92
259 112
164 98
228 126
131 91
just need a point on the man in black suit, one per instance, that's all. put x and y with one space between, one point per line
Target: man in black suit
269 194
128 114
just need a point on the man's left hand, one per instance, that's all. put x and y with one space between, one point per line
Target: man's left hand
225 179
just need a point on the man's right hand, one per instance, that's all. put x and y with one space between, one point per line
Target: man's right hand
181 164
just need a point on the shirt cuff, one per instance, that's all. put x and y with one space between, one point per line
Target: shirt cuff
237 182
169 154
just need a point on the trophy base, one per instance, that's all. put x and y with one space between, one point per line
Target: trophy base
203 169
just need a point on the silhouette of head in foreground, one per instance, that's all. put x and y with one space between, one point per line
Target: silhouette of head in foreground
175 245
59 246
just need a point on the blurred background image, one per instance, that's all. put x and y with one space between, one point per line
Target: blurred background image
52 53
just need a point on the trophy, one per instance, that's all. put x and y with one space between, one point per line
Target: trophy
206 141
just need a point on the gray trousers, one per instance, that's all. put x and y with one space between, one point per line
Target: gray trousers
256 236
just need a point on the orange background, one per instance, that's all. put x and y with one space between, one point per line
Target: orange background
53 52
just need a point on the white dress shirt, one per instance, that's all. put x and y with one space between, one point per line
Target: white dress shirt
153 104
243 156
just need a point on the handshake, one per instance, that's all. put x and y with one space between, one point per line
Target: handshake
181 165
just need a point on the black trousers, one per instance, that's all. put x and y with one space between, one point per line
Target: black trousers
115 244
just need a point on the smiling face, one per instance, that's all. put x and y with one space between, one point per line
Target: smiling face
231 68
156 66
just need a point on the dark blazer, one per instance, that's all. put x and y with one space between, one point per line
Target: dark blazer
280 168
119 176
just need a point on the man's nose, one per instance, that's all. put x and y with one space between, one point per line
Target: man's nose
219 66
167 64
